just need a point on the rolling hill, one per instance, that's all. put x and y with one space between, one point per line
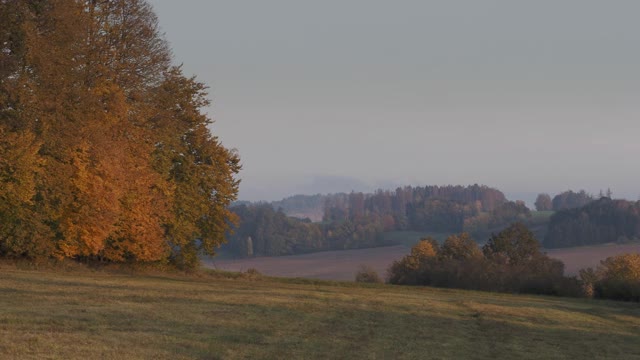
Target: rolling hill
81 314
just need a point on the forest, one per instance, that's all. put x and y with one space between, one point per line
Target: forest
105 150
601 221
359 220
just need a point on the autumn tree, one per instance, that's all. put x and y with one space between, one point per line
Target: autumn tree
515 245
413 269
571 200
543 202
459 247
617 277
508 213
21 229
106 141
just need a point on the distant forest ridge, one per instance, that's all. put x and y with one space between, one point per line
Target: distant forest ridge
306 223
313 206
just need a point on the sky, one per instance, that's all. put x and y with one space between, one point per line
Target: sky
341 95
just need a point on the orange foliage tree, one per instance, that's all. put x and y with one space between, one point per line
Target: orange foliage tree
105 151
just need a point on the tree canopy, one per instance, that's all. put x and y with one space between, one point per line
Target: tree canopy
515 244
511 262
105 151
601 221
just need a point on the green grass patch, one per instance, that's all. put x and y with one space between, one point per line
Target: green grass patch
541 216
84 314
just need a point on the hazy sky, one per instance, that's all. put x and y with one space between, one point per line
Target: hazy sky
319 96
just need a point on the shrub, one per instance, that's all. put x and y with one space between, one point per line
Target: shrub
618 278
413 269
252 274
588 279
367 275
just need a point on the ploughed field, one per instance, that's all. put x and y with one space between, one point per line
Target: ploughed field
82 314
343 264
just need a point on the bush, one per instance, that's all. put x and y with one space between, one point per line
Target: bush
252 274
413 268
617 289
511 262
367 275
617 278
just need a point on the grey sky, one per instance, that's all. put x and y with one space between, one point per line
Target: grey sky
330 95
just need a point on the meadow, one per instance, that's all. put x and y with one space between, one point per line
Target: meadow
88 314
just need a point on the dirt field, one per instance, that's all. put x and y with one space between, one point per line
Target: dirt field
342 265
589 256
328 265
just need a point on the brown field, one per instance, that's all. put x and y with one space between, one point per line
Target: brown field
342 265
590 256
327 265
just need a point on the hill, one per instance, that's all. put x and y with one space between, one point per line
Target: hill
84 314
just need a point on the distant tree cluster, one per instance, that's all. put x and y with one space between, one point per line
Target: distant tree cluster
263 231
566 200
511 261
271 233
544 202
358 220
601 221
302 206
105 152
571 200
415 203
446 209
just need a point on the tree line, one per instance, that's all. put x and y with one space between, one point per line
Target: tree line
510 261
105 151
565 200
264 231
598 222
477 209
359 220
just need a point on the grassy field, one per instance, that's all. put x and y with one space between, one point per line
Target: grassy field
98 315
544 215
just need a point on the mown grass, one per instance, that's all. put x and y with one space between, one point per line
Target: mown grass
83 314
540 217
